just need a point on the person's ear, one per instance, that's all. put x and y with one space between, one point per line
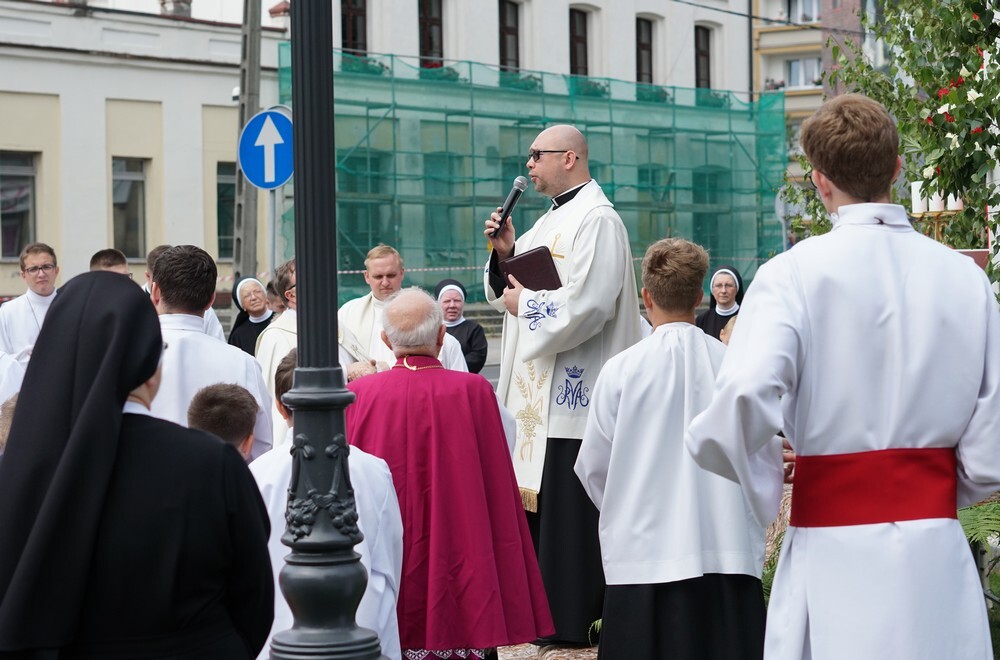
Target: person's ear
385 339
155 294
246 446
647 300
440 339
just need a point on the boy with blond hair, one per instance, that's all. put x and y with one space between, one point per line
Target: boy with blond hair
682 554
877 350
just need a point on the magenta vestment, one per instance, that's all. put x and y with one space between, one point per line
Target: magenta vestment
470 576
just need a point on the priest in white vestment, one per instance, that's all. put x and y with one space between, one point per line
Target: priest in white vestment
672 534
21 318
877 351
555 344
360 320
183 288
379 519
278 338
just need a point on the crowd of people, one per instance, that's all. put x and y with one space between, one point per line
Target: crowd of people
623 471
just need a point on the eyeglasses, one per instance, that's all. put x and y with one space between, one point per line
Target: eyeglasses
535 154
33 270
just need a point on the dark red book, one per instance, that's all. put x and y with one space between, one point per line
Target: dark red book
534 269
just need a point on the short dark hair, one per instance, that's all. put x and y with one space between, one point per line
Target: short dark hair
283 278
153 255
283 374
186 276
37 248
229 411
108 258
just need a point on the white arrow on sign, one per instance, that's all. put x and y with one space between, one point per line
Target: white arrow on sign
269 137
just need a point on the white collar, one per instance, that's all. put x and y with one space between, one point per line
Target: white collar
136 408
40 301
891 215
263 317
182 322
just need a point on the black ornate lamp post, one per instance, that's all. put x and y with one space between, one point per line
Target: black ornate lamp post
323 579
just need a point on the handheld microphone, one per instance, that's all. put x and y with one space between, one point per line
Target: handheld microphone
520 185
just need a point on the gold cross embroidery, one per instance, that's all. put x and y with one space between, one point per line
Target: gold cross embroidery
556 255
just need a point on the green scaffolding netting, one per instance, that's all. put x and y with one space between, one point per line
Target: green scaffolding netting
424 155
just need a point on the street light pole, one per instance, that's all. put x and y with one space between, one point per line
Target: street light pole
323 579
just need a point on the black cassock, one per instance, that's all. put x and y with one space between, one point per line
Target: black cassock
245 332
472 337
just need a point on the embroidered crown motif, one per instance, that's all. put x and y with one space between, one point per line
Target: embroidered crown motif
574 372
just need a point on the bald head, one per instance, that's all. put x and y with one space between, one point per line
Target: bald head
568 137
412 324
562 162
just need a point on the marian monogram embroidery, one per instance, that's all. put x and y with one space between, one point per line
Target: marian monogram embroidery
538 311
530 415
573 393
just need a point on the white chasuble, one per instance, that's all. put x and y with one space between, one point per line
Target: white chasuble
554 349
359 330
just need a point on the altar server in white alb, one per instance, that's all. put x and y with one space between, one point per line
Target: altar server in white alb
184 279
682 552
379 519
877 351
555 343
360 320
21 318
210 323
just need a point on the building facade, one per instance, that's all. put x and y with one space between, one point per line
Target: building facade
118 127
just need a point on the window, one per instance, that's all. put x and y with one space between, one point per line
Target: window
431 34
17 202
354 26
225 207
510 36
644 50
806 72
128 185
802 11
578 42
702 57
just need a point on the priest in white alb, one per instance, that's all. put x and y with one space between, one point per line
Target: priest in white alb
877 351
360 320
555 344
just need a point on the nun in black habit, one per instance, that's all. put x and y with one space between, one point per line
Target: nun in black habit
124 536
715 318
450 294
250 297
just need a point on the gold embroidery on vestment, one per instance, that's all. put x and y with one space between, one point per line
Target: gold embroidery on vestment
530 416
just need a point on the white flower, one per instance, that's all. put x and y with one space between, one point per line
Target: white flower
972 95
954 140
965 73
945 108
928 172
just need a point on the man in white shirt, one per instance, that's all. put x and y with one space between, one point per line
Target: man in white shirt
360 320
211 325
672 533
183 288
21 319
877 351
278 338
379 519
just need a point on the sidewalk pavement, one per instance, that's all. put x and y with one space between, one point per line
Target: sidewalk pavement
529 651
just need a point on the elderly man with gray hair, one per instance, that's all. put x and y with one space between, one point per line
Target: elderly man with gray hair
470 578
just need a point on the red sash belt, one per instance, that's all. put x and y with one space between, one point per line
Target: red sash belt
868 487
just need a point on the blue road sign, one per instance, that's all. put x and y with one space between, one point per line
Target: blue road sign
265 151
